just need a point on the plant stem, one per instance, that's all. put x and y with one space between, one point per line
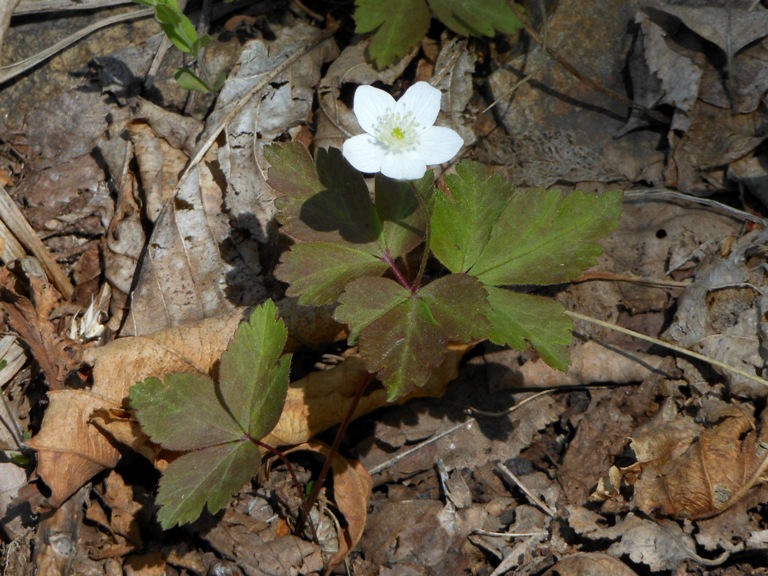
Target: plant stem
310 502
295 479
401 279
427 236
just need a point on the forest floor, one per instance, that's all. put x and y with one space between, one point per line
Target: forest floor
639 460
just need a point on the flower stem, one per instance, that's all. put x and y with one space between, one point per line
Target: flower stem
401 279
310 502
427 235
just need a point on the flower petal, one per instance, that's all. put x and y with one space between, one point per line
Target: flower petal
438 144
423 101
370 104
364 152
403 166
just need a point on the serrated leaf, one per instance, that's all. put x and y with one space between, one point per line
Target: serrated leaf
402 335
326 201
292 175
460 307
399 24
402 217
403 346
183 412
317 272
253 377
217 422
547 237
476 17
522 319
366 300
204 477
462 221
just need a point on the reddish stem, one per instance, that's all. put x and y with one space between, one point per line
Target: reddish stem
310 502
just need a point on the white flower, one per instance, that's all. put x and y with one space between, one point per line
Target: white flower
400 139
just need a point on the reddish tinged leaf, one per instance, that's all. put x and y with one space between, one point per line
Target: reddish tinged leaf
403 347
459 304
366 300
403 335
317 272
216 422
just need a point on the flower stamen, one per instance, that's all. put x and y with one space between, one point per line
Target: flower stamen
398 132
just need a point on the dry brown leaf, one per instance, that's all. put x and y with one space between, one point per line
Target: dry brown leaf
688 470
203 257
351 491
29 318
590 564
71 450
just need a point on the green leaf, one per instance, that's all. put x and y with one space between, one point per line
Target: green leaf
327 203
190 81
476 17
253 377
205 477
399 24
164 408
522 319
462 221
547 237
317 272
179 29
216 423
366 300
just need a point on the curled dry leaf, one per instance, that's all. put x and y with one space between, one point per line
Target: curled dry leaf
71 450
688 470
591 564
29 318
352 490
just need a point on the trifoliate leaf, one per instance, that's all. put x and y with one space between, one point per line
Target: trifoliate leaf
317 272
216 422
522 319
399 24
547 237
253 377
476 17
206 477
346 235
462 220
402 335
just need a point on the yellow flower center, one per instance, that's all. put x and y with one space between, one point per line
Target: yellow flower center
398 132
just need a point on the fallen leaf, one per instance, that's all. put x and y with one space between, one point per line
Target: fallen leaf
590 564
71 450
688 470
351 492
